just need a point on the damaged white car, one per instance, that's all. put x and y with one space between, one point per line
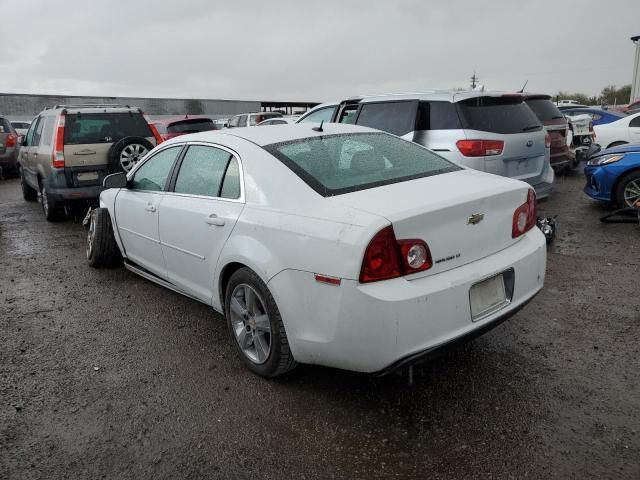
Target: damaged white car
334 245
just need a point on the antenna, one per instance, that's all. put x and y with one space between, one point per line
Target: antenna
523 86
474 80
318 129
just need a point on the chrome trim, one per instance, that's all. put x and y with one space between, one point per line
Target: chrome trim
164 244
141 236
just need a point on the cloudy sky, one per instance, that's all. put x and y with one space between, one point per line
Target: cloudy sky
314 50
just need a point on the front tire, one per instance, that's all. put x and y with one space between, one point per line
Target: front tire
627 193
102 249
255 325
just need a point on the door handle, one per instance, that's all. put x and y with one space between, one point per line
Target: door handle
150 207
213 219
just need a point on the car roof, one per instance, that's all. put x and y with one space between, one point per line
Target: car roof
269 134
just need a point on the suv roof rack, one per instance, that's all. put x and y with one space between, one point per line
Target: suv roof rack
92 105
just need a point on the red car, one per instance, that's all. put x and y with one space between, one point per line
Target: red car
556 124
633 107
174 127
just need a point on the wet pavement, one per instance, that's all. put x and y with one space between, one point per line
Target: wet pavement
106 375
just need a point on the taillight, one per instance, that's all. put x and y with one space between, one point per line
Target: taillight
524 218
154 131
386 257
11 140
480 148
57 158
547 141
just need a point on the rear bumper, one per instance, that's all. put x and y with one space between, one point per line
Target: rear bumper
379 326
58 187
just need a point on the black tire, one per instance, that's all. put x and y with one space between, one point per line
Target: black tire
29 193
622 185
616 144
137 146
51 209
102 249
280 359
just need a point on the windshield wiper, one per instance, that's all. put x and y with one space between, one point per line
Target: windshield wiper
531 127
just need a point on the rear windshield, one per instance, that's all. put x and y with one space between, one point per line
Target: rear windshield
83 128
544 109
337 164
498 115
191 126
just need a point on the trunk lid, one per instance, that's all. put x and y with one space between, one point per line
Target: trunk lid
463 216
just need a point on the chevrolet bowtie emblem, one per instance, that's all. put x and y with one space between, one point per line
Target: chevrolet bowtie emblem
475 218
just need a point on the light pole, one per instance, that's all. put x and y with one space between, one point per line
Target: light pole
635 82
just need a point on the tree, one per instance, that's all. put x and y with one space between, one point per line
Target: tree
612 95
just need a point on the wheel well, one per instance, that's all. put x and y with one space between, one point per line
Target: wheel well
615 144
227 271
614 187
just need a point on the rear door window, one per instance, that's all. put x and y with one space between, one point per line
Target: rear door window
82 128
38 133
398 118
242 121
635 122
438 116
202 171
503 115
348 114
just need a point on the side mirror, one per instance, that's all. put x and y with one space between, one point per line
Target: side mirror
115 180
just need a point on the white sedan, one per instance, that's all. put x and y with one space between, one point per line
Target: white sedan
625 130
337 245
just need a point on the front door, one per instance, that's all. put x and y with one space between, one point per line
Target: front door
137 210
197 217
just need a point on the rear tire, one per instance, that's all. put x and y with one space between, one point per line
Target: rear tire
29 193
627 191
52 211
261 323
102 249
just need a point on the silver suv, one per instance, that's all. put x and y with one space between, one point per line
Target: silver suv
490 131
69 149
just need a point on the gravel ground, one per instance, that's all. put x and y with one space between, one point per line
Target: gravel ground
105 375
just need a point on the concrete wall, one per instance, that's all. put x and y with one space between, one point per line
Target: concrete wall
26 106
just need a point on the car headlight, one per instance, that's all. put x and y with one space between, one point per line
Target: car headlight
605 160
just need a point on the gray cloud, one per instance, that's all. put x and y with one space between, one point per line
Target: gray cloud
311 50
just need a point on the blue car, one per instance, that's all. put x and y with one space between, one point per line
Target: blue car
613 175
598 116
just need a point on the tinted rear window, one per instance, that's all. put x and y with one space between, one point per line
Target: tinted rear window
104 127
438 116
497 115
544 109
337 164
191 126
398 118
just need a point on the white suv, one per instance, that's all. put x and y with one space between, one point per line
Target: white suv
490 131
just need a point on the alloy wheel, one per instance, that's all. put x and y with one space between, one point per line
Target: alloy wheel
250 323
91 233
131 154
632 192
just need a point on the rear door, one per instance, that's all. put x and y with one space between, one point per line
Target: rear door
136 210
198 215
508 119
25 156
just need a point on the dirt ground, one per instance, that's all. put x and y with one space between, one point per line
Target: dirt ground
106 375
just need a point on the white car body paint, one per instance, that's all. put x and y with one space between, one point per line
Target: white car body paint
286 233
619 131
